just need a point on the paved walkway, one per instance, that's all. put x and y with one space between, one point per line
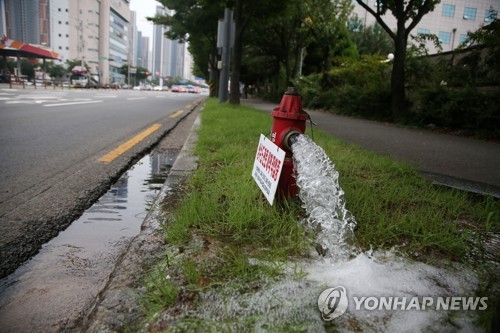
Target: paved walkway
454 161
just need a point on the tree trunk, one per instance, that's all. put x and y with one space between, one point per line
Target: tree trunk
398 103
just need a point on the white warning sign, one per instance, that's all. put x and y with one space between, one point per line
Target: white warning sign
267 167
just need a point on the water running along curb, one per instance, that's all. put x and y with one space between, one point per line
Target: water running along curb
40 213
116 304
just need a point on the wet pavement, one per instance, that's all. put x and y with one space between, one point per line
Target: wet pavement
60 286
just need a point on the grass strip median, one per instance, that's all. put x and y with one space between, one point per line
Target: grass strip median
222 220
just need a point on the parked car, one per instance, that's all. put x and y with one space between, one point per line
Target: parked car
176 88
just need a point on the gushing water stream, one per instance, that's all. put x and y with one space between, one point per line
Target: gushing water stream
323 200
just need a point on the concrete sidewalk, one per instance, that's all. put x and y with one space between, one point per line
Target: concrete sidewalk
459 162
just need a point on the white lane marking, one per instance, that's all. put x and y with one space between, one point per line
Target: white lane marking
135 98
72 103
105 96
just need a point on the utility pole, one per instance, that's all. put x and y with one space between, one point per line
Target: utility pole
226 53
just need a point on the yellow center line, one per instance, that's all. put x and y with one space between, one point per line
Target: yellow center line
176 114
109 157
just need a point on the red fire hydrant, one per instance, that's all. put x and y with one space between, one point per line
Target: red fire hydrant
289 122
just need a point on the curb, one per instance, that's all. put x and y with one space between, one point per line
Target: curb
116 305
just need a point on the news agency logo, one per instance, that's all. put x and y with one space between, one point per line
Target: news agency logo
332 303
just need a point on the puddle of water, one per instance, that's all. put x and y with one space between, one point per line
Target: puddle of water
70 270
292 304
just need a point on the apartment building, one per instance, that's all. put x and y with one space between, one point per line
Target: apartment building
450 21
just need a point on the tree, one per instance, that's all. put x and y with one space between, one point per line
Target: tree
244 12
28 67
55 70
327 20
370 40
194 21
404 11
274 47
140 72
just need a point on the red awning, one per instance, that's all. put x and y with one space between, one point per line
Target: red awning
14 48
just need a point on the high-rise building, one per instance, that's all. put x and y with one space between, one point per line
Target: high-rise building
188 64
132 40
450 21
145 54
162 48
26 20
3 19
170 57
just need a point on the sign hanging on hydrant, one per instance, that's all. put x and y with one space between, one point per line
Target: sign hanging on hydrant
267 167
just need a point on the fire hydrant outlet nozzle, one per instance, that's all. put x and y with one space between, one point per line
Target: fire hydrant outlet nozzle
289 139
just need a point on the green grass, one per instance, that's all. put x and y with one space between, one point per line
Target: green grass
224 213
393 204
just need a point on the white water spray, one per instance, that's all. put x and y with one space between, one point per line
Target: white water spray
323 200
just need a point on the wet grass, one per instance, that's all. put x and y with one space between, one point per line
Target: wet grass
223 219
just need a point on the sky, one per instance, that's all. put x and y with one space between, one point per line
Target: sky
144 8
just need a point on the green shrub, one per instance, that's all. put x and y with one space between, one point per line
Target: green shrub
359 88
469 109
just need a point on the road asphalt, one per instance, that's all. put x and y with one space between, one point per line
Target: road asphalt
454 161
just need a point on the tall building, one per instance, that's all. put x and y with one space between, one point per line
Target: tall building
143 54
177 58
60 30
26 20
188 64
450 21
162 48
132 40
118 39
170 57
3 19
